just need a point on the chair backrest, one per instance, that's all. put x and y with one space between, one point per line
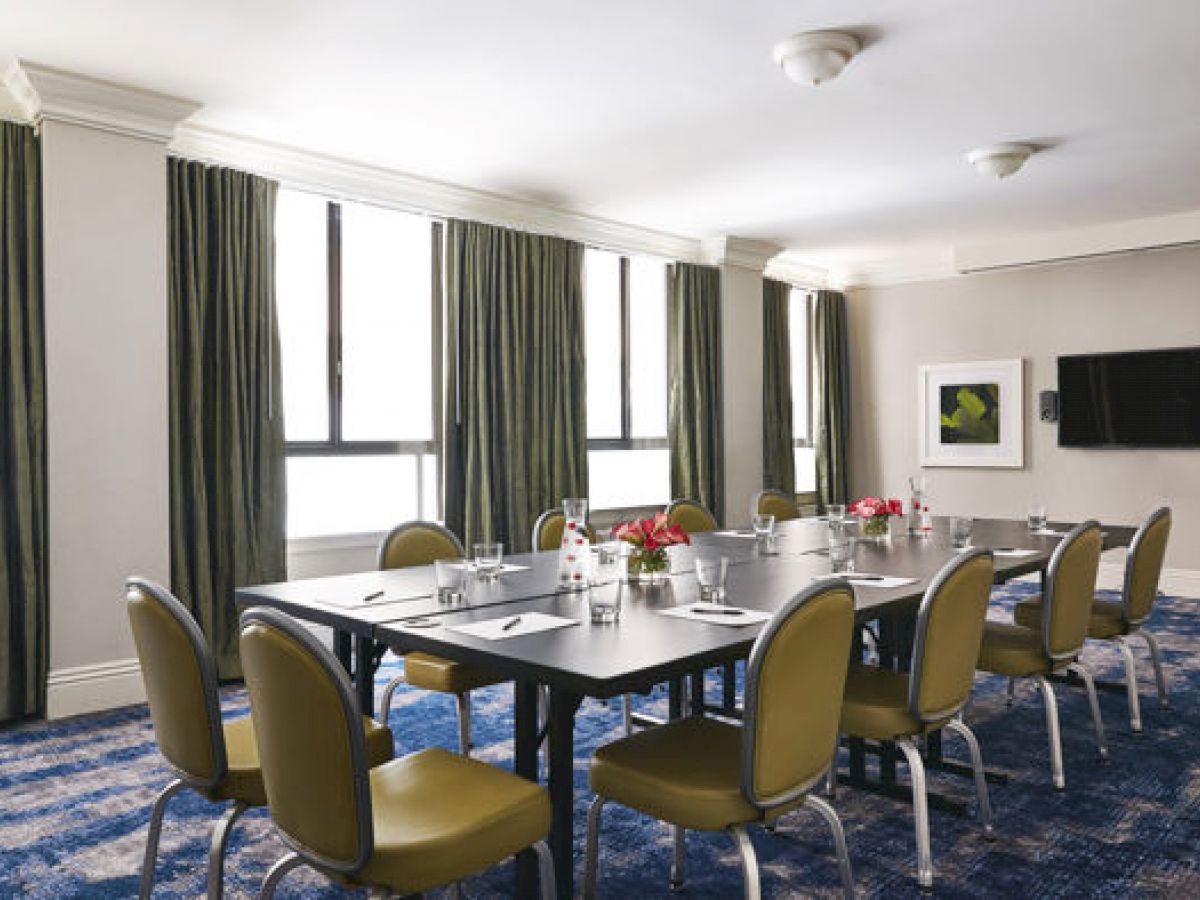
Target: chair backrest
418 544
948 636
1070 588
311 744
181 683
691 516
775 503
548 529
1143 566
794 684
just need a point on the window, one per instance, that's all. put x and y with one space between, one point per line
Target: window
358 312
625 300
801 365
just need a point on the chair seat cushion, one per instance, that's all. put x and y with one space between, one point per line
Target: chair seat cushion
875 705
435 673
439 817
686 772
243 781
1107 620
1012 650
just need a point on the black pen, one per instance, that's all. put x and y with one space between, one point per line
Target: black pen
1005 550
511 623
864 577
374 596
716 611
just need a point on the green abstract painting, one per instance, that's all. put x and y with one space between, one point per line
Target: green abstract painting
970 413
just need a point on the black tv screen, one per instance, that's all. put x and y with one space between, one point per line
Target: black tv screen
1148 398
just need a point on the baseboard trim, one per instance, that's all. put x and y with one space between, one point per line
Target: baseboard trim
101 686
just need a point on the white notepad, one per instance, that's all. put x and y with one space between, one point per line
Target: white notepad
504 567
867 579
1050 532
717 614
527 623
741 534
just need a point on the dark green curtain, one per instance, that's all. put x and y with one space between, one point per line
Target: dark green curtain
515 406
227 450
23 601
696 421
831 397
779 462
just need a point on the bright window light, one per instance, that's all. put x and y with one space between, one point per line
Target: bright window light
648 347
350 494
602 320
623 478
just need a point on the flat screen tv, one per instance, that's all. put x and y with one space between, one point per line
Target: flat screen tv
1147 398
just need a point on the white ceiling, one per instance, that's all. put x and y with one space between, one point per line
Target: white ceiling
671 115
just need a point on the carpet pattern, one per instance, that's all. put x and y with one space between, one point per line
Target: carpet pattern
75 798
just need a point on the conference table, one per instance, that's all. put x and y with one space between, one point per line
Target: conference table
645 647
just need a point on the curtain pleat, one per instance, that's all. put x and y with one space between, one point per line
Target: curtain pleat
227 443
515 412
696 424
779 465
23 538
831 394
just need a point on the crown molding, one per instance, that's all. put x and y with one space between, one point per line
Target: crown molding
801 274
741 253
350 180
44 93
926 265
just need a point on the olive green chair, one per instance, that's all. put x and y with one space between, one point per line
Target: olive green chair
707 775
418 822
218 760
1054 643
1120 620
548 530
770 502
885 705
692 516
421 544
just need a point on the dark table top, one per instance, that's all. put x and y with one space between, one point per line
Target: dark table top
644 646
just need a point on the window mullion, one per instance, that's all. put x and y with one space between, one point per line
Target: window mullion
626 406
335 324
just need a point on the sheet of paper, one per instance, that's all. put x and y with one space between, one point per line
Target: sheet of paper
504 567
1003 551
741 534
868 579
526 623
715 614
1049 532
388 598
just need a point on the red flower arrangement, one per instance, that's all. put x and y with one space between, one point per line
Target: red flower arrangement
649 540
874 512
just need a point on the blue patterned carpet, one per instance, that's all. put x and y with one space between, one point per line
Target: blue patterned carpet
75 799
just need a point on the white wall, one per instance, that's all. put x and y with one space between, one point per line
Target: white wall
1129 302
741 360
104 213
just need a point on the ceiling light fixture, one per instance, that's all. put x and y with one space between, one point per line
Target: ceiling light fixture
813 57
999 160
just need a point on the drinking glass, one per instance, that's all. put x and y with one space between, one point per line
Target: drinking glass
488 558
841 549
764 533
836 512
575 508
451 576
960 531
710 573
1036 516
604 585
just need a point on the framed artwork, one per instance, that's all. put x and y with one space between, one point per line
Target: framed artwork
972 414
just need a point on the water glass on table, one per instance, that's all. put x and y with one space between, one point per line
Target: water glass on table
451 578
764 532
836 512
841 549
1036 516
961 528
604 585
488 559
710 575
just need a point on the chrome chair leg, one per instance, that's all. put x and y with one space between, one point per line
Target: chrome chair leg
677 864
831 778
216 851
1012 693
627 713
1094 701
963 730
156 817
454 892
1164 701
546 870
1056 760
753 887
916 769
277 873
1131 685
464 722
385 702
829 814
591 851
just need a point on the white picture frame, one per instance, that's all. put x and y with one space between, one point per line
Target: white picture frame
1003 402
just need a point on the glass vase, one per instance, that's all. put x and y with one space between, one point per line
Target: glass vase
646 566
875 527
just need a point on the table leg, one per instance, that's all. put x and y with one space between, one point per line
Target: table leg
341 649
695 706
525 764
364 673
729 687
561 742
675 698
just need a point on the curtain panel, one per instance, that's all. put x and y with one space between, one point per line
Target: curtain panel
23 572
696 421
779 465
515 440
226 401
831 395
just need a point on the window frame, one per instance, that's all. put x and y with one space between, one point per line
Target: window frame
335 445
805 497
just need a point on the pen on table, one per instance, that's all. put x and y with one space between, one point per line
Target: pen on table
511 623
715 611
865 577
374 596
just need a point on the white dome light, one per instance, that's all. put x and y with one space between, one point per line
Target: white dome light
815 56
999 160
